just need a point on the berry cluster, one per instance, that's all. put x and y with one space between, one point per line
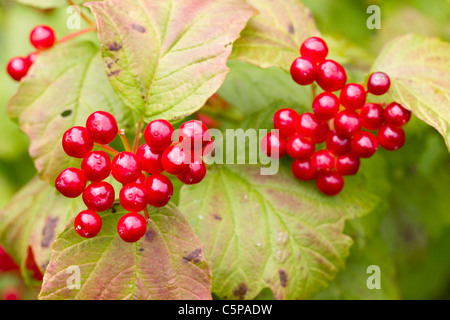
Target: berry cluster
139 172
336 121
42 38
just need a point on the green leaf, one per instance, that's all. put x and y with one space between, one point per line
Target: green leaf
166 58
49 4
271 231
419 69
63 87
33 218
274 36
167 263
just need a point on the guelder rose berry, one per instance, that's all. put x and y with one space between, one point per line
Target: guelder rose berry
314 48
331 76
133 197
99 196
77 142
396 115
391 138
88 224
175 160
330 183
195 173
353 96
378 83
194 135
126 167
102 127
274 145
96 166
42 37
17 68
159 190
158 135
284 120
326 105
131 227
304 169
303 71
71 182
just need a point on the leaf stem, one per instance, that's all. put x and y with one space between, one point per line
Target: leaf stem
76 34
147 216
107 149
138 137
125 141
83 16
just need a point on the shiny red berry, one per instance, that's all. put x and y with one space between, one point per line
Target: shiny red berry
175 160
99 196
323 160
96 166
133 197
194 135
150 161
303 71
353 96
308 125
364 144
372 116
284 120
158 135
17 68
102 127
326 105
274 145
42 37
304 169
347 123
131 227
347 164
331 76
126 167
31 58
141 179
323 132
396 115
77 142
314 48
159 190
88 224
378 83
195 173
298 147
71 182
330 183
391 138
336 144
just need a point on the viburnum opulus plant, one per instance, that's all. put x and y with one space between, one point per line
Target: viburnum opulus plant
120 117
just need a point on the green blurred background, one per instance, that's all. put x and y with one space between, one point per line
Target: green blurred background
407 236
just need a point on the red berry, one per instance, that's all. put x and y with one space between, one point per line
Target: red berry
42 37
326 105
77 142
195 173
391 138
308 125
338 145
194 135
284 120
88 224
158 135
331 76
347 164
160 190
6 262
175 160
298 147
323 132
330 183
99 196
353 96
18 68
141 179
131 227
133 197
303 71
31 58
150 161
304 169
71 182
126 167
347 123
102 127
314 48
274 145
378 83
323 160
372 117
396 115
364 144
96 166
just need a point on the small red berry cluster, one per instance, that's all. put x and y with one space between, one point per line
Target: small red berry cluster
338 122
42 38
140 172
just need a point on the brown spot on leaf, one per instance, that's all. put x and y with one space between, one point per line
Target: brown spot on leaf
240 291
48 233
291 29
114 47
114 73
141 250
150 235
217 217
138 28
195 256
283 278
